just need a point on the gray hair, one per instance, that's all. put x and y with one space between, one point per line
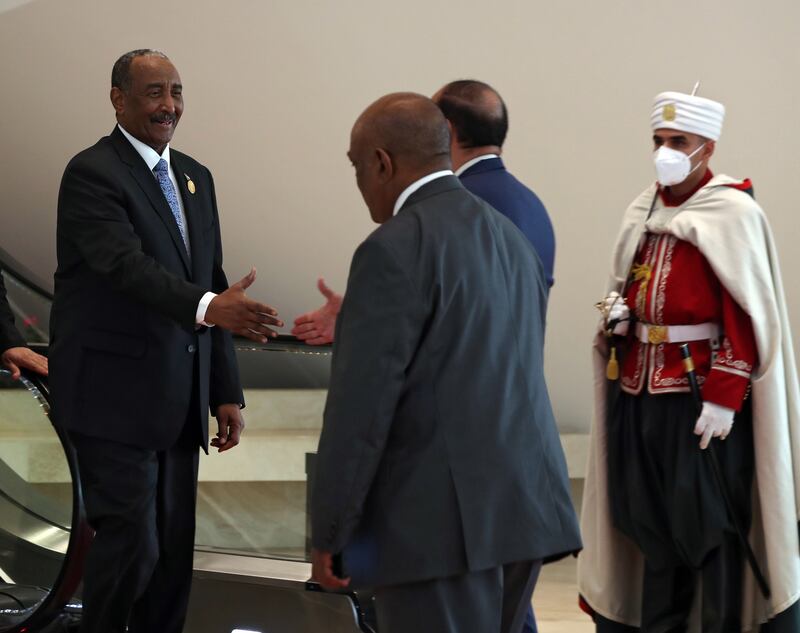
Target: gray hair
121 73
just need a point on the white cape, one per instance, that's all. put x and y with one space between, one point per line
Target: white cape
732 232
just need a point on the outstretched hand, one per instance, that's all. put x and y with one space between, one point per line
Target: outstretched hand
235 311
317 327
16 359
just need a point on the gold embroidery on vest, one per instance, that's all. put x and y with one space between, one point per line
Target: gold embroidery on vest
641 273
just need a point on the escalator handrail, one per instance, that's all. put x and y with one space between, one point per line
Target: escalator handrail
71 572
14 269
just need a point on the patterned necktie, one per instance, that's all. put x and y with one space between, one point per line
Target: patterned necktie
162 173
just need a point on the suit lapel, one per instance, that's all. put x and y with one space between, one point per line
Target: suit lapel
149 185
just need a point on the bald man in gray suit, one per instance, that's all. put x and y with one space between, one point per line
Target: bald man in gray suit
440 477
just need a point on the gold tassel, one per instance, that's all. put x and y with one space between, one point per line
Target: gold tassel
612 368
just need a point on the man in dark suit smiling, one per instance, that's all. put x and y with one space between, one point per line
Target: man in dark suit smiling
135 360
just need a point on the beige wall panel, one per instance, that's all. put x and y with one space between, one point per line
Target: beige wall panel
272 89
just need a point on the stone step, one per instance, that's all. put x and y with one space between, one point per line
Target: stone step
263 455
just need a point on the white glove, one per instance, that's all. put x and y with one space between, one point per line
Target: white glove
615 309
714 421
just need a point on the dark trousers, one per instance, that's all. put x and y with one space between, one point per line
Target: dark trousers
489 601
141 504
530 622
664 496
669 593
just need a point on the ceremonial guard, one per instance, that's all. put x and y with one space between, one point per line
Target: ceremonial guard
682 494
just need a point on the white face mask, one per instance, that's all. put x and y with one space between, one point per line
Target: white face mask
672 166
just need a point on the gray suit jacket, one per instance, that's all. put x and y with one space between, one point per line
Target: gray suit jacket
439 453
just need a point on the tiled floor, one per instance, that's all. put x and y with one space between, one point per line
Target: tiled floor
555 600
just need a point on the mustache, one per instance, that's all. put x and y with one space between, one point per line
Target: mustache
164 118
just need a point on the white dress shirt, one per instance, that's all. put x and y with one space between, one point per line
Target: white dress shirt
474 161
401 200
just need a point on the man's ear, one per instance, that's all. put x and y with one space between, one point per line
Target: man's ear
117 99
708 150
386 167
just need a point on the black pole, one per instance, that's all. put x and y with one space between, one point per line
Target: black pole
688 365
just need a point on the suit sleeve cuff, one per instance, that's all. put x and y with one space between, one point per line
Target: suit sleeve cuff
725 388
7 344
200 315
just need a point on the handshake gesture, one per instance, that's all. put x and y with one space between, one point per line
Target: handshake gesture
235 311
318 326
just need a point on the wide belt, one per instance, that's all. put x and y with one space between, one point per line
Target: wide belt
657 334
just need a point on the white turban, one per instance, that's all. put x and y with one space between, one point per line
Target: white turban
687 113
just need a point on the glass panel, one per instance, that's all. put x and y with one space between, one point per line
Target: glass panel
31 309
252 499
35 500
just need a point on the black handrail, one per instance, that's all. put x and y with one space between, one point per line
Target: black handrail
22 274
69 577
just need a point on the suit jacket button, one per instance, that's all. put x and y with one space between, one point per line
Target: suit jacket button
190 348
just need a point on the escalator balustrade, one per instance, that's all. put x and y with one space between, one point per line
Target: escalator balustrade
251 520
42 530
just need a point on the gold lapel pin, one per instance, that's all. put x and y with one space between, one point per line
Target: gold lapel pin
190 184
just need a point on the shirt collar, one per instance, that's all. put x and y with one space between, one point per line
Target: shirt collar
401 200
474 161
148 154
